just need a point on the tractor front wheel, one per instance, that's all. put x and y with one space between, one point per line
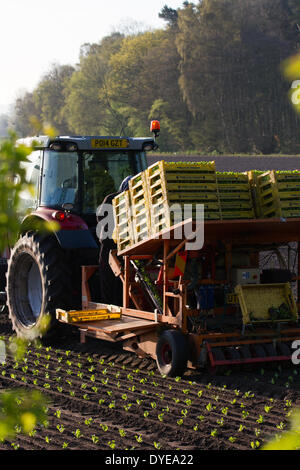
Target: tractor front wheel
172 353
38 282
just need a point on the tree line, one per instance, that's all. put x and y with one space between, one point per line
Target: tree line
212 76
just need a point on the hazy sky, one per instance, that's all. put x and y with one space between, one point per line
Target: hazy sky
34 34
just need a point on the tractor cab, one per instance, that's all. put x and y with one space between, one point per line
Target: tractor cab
78 172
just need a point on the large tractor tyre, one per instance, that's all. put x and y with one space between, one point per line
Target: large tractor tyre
38 282
172 353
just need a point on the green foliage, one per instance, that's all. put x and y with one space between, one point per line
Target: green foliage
88 108
4 124
213 77
13 156
289 440
291 70
17 347
12 182
27 115
49 97
169 15
20 409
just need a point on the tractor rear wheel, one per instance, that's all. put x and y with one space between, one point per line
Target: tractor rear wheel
38 281
172 353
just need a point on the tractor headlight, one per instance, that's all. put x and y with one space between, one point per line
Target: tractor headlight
71 147
55 146
63 146
148 147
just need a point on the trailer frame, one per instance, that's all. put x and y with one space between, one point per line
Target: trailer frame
140 328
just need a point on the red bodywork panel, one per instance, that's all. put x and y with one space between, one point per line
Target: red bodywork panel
71 221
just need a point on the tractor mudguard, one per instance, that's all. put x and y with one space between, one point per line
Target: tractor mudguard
74 239
73 232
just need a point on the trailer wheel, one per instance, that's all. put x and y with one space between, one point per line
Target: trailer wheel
284 350
38 281
172 353
271 351
259 350
234 355
246 354
218 355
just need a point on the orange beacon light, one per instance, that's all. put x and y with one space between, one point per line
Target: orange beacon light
155 127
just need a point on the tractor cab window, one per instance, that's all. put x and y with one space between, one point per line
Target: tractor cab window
104 171
85 178
59 179
29 198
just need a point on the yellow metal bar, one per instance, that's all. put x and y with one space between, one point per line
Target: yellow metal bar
73 316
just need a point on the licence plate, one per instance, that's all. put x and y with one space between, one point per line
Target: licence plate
110 143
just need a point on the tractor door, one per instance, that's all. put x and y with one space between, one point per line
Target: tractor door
103 173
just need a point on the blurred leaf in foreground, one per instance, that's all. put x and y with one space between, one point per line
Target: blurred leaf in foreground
291 67
291 71
12 182
290 440
21 409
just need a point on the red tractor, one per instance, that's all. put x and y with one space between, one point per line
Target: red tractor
71 177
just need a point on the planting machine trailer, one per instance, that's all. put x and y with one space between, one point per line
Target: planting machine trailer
216 313
221 304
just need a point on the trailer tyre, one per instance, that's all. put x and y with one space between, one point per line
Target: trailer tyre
38 281
259 350
284 350
218 355
172 353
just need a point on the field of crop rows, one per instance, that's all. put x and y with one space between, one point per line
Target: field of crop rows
102 398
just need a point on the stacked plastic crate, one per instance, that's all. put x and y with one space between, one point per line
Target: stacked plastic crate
235 195
279 193
252 177
176 188
123 233
140 211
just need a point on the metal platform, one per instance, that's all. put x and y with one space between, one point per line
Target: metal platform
271 230
114 330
